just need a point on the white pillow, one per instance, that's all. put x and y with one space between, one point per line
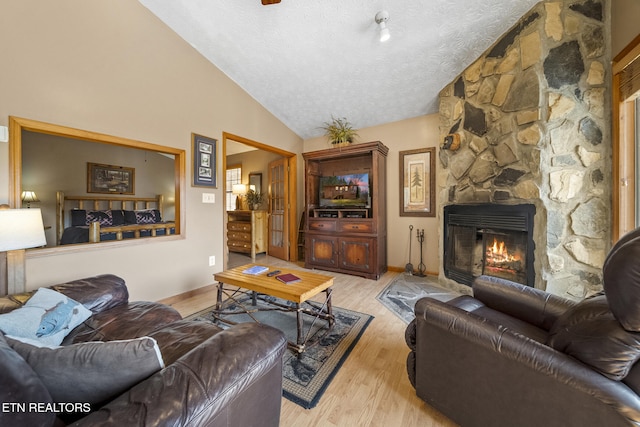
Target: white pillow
47 317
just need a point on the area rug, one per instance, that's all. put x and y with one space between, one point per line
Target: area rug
400 296
307 376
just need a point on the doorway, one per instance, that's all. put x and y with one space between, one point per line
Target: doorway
287 212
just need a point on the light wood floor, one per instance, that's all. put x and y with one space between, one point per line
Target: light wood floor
371 388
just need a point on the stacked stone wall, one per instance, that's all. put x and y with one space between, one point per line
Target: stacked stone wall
529 122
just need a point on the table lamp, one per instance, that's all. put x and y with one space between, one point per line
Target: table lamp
19 229
29 197
239 190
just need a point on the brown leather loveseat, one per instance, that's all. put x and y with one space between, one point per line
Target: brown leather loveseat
211 377
512 355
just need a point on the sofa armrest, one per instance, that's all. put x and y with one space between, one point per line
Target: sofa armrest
523 302
466 361
232 378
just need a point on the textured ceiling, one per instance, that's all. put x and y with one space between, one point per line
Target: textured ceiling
308 60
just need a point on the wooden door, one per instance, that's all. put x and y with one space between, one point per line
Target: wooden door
278 209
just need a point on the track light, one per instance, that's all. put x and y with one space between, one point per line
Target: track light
381 19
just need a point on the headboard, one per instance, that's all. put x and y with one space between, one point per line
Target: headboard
64 203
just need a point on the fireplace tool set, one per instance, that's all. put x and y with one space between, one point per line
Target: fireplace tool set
421 267
409 267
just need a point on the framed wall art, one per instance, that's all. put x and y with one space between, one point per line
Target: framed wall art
417 182
204 161
110 179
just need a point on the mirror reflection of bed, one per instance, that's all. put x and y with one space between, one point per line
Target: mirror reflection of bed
93 219
54 158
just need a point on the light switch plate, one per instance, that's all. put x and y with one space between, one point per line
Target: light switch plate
208 198
4 134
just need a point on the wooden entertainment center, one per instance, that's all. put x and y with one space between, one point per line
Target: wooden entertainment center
341 237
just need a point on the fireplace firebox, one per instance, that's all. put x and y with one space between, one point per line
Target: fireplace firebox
489 239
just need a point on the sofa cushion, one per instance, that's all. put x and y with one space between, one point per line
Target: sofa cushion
621 282
47 317
590 333
92 372
21 386
98 293
132 320
180 337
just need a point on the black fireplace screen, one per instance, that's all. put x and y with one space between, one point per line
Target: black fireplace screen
494 240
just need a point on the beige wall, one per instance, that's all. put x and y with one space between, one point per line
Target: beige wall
419 132
113 67
624 23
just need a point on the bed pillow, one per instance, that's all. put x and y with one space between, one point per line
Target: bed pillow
78 217
81 218
148 216
103 217
47 317
92 372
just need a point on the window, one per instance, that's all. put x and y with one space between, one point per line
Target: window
626 137
234 176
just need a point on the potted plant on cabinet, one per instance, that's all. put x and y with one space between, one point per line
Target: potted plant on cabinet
254 199
339 131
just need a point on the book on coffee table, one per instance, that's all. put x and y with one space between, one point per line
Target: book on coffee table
255 270
288 278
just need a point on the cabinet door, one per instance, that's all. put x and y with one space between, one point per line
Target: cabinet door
356 253
323 251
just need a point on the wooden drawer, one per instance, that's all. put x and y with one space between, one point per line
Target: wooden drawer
237 235
322 225
356 226
239 226
238 246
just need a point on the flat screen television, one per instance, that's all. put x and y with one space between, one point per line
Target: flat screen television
345 191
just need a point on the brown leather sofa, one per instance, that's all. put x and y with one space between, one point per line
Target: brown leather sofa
512 355
212 377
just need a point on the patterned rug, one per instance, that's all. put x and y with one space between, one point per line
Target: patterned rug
401 295
307 376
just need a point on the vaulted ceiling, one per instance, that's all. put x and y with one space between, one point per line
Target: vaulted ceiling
308 60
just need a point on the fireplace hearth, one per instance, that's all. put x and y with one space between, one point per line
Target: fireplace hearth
489 239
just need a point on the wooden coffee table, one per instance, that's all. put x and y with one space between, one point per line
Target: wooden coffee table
310 285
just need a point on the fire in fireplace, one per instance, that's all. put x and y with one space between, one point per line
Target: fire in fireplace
505 256
495 240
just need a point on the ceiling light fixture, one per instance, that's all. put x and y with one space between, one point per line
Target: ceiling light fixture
381 19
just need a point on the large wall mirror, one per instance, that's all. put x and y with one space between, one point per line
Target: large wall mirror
77 178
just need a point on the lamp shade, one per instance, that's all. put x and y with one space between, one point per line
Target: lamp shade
239 189
21 229
29 197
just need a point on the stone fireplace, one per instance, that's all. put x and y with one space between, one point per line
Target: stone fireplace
490 239
528 123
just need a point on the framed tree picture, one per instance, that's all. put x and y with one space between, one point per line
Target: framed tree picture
204 161
417 182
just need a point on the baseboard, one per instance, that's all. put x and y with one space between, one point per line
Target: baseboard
401 270
186 295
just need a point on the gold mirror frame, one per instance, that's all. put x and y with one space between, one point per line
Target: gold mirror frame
18 125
